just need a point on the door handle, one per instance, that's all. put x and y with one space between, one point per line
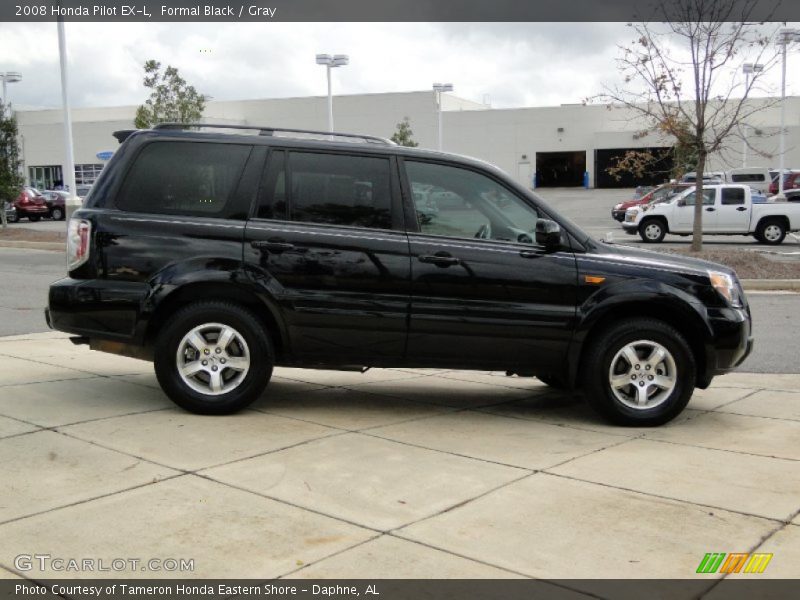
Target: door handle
529 254
741 208
272 245
710 209
440 260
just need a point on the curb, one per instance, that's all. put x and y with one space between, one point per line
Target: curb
60 246
770 284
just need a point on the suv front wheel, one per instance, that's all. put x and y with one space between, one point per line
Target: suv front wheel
640 372
213 358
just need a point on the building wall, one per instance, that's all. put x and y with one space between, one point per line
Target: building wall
509 138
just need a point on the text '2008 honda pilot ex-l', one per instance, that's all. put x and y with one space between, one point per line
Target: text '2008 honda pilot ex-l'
220 252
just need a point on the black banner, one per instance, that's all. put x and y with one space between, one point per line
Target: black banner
416 589
380 10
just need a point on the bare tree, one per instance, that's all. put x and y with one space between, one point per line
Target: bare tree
680 77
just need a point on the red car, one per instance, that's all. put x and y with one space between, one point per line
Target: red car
31 204
791 181
662 192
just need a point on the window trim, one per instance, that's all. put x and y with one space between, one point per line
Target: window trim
412 221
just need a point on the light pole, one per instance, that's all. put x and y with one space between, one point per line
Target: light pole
331 62
68 175
8 77
438 88
748 69
786 36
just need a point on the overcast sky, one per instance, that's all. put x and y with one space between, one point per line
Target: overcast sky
511 65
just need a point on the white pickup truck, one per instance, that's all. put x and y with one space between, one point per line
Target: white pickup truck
728 209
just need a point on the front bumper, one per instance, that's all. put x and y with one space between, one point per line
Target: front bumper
618 215
731 342
35 209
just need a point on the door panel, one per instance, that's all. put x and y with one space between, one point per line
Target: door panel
493 304
684 212
732 214
323 246
484 295
343 292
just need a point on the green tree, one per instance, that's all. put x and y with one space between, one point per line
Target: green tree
10 178
403 135
171 99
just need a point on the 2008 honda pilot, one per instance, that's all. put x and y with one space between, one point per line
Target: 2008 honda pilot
220 252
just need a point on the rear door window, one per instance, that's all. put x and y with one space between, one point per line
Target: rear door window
732 196
338 189
184 178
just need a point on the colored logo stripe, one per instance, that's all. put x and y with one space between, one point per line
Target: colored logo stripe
734 563
711 562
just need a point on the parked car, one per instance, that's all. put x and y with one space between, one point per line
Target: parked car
220 256
31 204
791 181
729 210
660 194
56 203
756 177
792 195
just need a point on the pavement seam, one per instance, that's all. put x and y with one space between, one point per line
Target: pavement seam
689 445
336 553
661 497
92 499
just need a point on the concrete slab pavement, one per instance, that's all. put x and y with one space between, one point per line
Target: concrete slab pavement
395 473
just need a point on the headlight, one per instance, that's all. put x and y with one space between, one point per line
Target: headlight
726 287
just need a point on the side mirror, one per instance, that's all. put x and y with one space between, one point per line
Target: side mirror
682 202
548 234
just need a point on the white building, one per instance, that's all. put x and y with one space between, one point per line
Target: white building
558 144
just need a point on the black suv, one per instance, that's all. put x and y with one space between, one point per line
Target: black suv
220 252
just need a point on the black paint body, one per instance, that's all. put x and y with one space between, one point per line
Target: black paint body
348 296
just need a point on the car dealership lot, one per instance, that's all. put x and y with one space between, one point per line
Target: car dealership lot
393 473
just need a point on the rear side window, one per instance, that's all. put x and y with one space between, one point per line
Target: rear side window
748 178
340 190
184 178
732 195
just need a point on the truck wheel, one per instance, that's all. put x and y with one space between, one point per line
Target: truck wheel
213 358
652 231
14 218
57 214
639 372
771 231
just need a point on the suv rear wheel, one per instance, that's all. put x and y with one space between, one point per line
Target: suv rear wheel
213 358
639 372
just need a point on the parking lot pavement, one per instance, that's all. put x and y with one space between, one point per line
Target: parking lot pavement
393 473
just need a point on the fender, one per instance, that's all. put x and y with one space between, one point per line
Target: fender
640 297
205 277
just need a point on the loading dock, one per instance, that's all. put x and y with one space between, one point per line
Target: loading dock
560 169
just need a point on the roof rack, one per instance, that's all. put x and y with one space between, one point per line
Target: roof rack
370 139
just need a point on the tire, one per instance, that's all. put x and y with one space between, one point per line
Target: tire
771 231
57 214
639 405
652 230
34 218
249 347
14 219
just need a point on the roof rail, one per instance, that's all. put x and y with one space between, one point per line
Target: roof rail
370 139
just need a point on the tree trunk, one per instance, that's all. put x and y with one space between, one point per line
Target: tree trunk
3 217
697 228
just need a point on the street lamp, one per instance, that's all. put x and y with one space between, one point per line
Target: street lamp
438 88
785 37
9 77
748 69
330 62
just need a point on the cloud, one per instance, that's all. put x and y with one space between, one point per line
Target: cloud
511 64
